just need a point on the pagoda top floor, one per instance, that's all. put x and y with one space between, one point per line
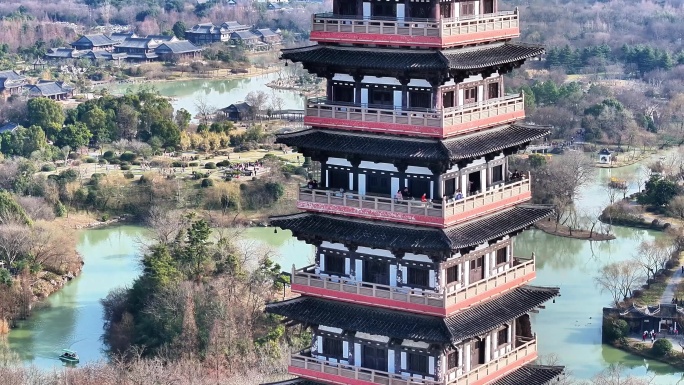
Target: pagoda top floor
437 67
434 24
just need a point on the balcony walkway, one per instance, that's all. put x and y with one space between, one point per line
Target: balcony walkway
436 33
405 120
442 214
441 302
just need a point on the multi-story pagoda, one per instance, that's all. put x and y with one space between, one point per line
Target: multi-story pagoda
415 209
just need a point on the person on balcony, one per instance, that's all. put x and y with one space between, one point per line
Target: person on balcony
340 193
423 198
398 197
458 196
315 184
406 195
309 184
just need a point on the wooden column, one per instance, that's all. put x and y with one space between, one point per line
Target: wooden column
404 91
329 87
357 88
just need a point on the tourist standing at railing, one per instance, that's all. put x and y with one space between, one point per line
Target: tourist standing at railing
406 195
458 195
314 184
423 198
398 197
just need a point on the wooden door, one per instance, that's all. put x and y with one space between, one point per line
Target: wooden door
375 271
488 6
476 354
476 269
374 358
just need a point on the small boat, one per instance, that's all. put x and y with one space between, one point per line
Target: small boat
69 356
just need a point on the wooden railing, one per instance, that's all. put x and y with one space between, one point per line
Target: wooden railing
470 114
454 293
445 210
454 117
308 277
312 366
527 348
353 372
493 195
415 27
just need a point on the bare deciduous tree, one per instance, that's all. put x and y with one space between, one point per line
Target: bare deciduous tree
619 279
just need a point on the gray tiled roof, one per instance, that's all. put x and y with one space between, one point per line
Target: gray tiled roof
407 59
265 32
232 26
97 40
204 28
462 326
121 36
394 147
8 127
531 375
46 88
64 53
410 238
138 42
243 35
177 47
166 38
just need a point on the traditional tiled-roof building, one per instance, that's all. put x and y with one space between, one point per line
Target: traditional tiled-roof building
94 42
50 89
414 212
11 83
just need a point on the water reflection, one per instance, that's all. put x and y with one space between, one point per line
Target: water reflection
219 93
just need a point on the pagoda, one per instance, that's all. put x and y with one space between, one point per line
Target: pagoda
414 208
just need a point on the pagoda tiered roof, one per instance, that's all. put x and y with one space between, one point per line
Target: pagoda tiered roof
408 238
367 60
395 147
529 375
461 326
525 375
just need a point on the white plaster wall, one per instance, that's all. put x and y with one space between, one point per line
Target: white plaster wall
372 337
418 170
339 162
417 257
336 246
414 344
377 166
380 252
330 329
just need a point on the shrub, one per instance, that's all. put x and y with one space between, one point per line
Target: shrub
194 164
76 163
90 159
47 167
60 210
108 154
207 183
136 163
127 157
105 217
223 163
661 347
210 165
614 329
73 155
114 161
102 161
125 167
129 175
176 163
